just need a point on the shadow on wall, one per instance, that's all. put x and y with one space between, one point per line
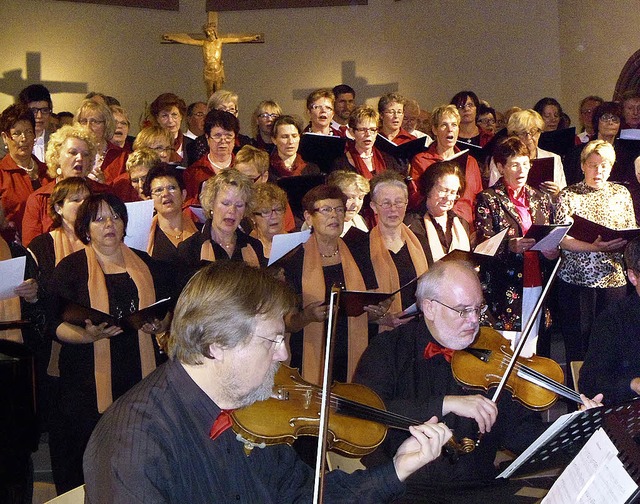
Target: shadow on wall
12 83
362 87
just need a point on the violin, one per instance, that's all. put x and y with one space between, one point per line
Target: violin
357 426
536 381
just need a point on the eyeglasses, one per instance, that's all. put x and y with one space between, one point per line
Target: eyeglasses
166 116
160 148
197 114
322 108
391 112
466 106
267 115
27 134
139 180
531 133
277 341
386 205
486 121
159 191
43 110
91 121
218 137
328 210
587 111
102 219
447 193
609 118
465 313
364 131
267 213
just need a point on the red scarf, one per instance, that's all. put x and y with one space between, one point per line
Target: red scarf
280 170
378 161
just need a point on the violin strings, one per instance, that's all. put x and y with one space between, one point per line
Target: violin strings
553 385
364 411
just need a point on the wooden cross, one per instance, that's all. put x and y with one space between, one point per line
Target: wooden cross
211 45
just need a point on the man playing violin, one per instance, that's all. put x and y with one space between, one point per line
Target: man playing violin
410 369
167 440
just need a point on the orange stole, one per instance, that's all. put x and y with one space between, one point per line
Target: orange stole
62 247
9 308
384 267
99 297
313 289
188 229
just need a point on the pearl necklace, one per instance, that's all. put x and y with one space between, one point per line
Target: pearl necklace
31 170
219 167
330 255
366 156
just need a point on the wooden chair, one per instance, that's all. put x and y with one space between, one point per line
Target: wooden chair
575 372
346 464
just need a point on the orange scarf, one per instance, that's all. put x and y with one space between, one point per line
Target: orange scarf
9 308
385 269
313 289
248 254
459 238
188 229
99 297
62 247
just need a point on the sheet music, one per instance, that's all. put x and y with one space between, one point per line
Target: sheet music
139 226
490 246
12 274
553 239
595 475
283 243
555 427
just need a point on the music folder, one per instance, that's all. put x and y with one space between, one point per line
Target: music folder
541 171
320 149
547 236
588 231
404 151
560 141
76 314
353 302
297 187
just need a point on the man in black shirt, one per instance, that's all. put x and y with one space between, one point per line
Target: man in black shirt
410 369
166 440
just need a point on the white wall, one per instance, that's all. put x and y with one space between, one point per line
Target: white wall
510 53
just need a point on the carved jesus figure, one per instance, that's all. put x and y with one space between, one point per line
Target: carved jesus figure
212 51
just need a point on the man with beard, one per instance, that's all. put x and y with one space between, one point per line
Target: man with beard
167 440
410 370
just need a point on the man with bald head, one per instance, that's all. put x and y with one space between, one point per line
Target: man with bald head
410 369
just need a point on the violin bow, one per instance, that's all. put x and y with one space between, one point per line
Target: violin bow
327 379
525 333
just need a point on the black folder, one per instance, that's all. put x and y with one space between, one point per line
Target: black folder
559 142
404 151
541 171
76 314
588 231
322 150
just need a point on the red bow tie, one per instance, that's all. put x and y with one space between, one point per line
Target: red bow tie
432 349
221 424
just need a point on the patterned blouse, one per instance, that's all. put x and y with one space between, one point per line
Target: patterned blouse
610 206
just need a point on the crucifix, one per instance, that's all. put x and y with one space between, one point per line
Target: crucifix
211 45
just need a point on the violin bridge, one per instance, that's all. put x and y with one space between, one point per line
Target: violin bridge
280 394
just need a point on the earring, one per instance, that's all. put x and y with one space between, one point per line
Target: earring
88 238
58 171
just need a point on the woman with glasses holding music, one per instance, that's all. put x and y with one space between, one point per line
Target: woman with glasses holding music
20 171
391 110
263 117
320 111
435 223
172 223
325 260
224 200
512 204
110 160
361 155
220 129
467 103
267 208
395 252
